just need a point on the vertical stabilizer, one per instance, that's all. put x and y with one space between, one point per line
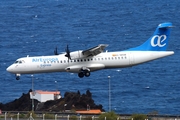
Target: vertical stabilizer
158 41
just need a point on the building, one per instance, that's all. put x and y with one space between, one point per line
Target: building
43 96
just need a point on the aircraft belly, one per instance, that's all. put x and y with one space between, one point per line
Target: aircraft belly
94 67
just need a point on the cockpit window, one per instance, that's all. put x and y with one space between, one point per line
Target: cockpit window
19 62
16 62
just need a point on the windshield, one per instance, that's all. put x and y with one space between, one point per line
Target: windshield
19 61
16 62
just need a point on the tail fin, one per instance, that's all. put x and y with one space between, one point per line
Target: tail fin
158 41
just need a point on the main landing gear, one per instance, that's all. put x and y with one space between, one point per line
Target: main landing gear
84 73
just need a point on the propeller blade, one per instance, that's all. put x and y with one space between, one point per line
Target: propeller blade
55 51
68 53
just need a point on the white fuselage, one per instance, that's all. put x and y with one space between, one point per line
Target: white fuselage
105 60
85 61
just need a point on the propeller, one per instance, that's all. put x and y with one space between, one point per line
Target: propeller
68 53
55 51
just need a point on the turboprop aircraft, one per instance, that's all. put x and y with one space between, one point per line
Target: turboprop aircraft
83 62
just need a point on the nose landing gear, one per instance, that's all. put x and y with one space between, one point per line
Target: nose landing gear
18 76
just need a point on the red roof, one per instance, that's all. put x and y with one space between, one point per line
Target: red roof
89 111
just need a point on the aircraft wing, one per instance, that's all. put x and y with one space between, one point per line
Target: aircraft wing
95 50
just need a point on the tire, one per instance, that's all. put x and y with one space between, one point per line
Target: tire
17 77
81 74
87 74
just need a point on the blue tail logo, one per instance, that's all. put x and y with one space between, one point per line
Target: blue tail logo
158 41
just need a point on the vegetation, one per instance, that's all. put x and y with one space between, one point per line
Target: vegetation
73 118
31 114
20 115
88 118
49 116
139 117
109 116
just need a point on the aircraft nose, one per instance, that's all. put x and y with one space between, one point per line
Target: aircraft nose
9 69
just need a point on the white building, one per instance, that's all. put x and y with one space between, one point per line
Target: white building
43 96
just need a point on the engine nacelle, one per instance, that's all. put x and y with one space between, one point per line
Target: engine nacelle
77 55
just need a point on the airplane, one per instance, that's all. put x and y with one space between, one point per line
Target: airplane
83 62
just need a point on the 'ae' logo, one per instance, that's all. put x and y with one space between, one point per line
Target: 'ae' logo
158 40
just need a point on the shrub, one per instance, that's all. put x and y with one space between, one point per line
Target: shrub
73 118
109 116
49 116
31 114
139 117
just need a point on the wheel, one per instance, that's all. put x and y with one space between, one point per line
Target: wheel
87 74
81 74
17 77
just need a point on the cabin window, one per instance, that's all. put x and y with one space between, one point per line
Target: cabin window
78 60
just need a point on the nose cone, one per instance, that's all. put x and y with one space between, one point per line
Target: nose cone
9 69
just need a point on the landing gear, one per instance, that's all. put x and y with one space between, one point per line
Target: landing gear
18 76
84 73
81 74
87 74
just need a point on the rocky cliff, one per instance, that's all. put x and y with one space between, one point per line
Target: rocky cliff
70 101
